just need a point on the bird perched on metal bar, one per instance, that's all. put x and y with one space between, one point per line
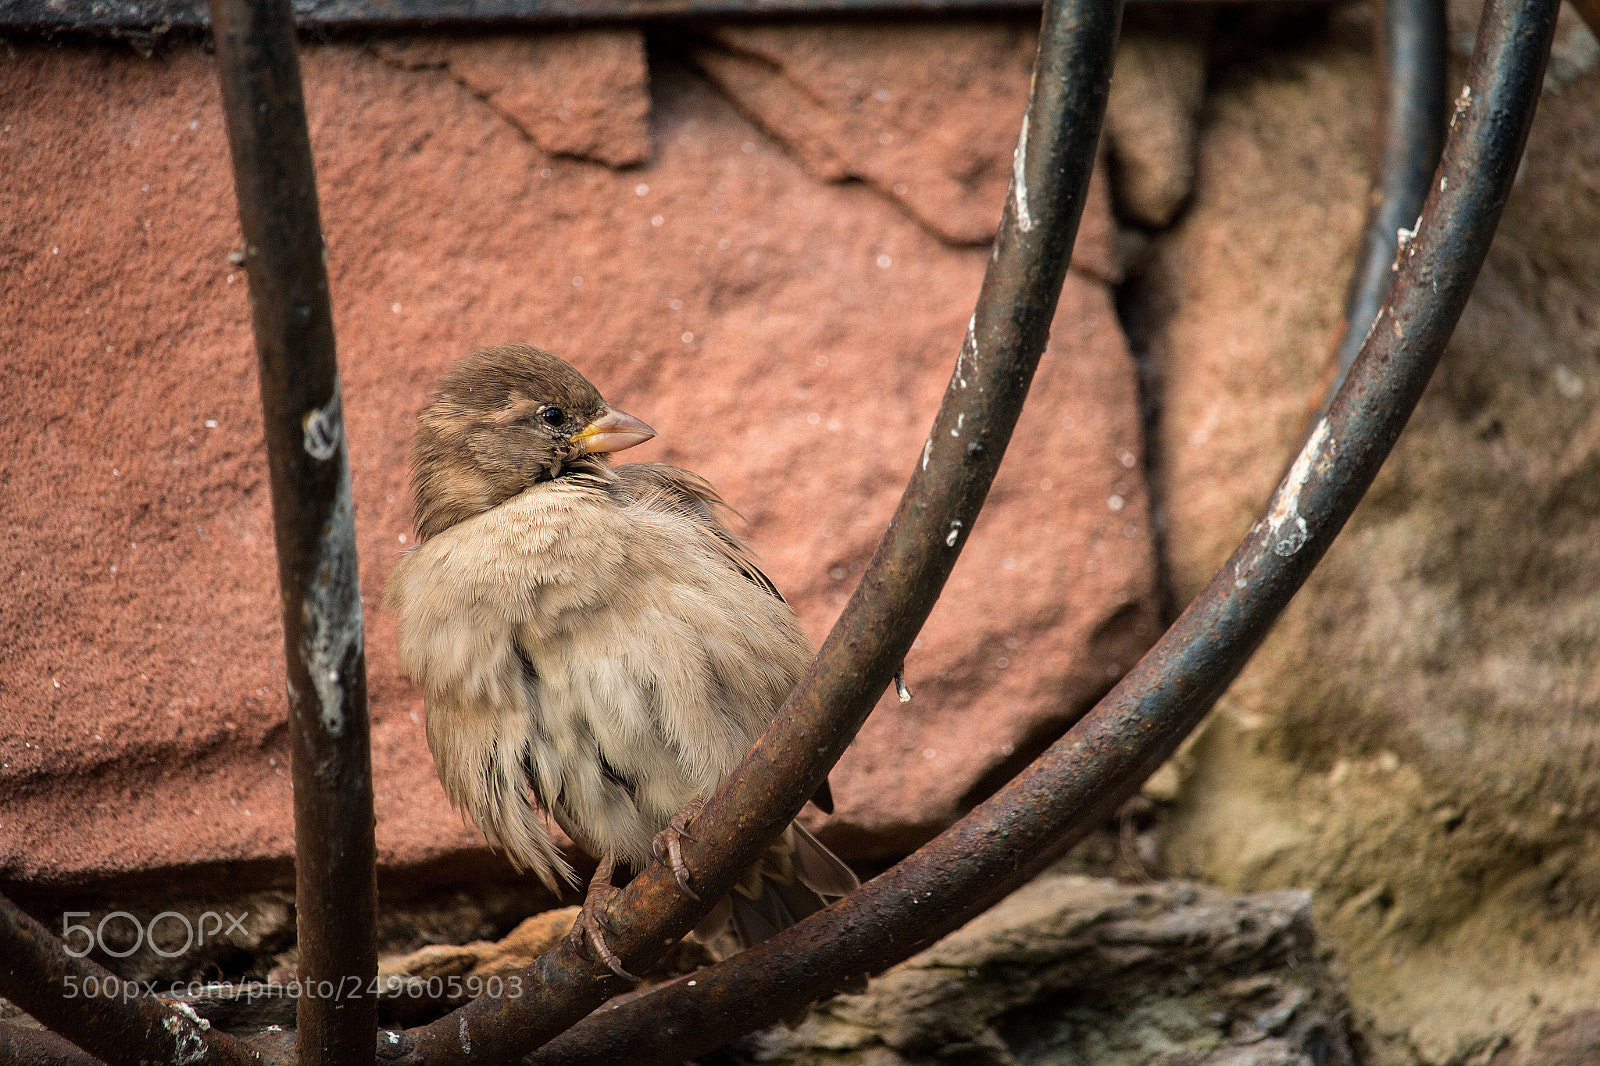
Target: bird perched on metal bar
593 638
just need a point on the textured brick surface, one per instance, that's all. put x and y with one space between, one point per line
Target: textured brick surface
788 337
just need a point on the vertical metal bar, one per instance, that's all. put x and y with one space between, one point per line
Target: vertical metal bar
390 16
1413 102
312 514
93 1008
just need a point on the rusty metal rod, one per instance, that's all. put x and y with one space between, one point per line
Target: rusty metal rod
951 478
40 1047
1107 754
336 887
1412 104
94 1008
160 16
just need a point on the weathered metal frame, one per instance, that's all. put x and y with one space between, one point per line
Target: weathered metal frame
291 312
1087 773
41 1047
1414 98
162 16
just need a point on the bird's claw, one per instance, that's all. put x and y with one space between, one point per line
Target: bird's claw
592 925
668 846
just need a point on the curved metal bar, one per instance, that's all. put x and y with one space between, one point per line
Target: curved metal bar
1105 756
314 526
950 480
38 975
1413 101
388 16
40 1047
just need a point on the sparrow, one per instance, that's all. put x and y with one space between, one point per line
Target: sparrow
593 642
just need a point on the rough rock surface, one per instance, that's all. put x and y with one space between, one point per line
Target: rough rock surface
787 336
1250 284
1151 114
583 93
1570 1041
860 101
1071 971
486 958
1417 743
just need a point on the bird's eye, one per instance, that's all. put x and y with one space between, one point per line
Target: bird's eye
553 416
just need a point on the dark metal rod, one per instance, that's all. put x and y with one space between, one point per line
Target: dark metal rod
394 15
1412 105
336 888
40 1047
94 1008
1107 754
951 478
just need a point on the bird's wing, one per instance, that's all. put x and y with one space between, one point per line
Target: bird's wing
669 488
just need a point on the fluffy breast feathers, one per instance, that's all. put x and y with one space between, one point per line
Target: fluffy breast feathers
604 643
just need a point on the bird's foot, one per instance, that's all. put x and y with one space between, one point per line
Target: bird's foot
591 925
668 845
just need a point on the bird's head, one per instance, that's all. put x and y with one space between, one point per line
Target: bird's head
505 419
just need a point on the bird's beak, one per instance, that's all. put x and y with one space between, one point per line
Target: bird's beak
612 432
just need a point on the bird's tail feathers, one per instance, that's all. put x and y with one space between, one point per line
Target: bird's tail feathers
776 908
818 868
793 880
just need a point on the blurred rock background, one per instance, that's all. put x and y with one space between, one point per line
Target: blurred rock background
765 240
1418 742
